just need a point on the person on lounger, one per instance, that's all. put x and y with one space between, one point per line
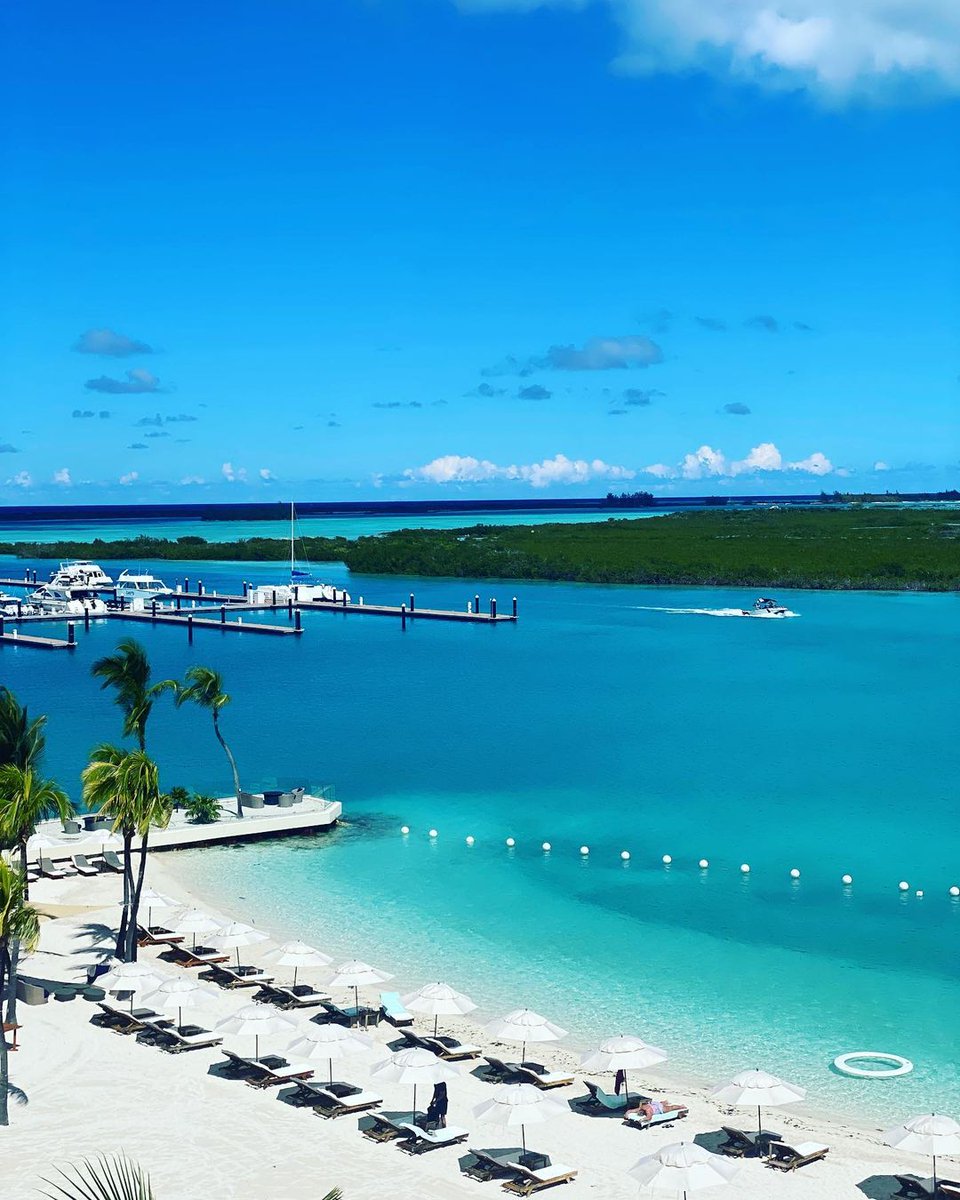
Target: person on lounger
655 1108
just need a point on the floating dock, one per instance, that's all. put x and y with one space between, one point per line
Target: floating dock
15 638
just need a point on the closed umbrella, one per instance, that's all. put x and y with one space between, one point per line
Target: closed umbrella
757 1089
179 993
193 921
623 1053
329 1042
416 1066
438 1000
235 935
681 1168
524 1025
356 974
298 955
256 1021
519 1105
930 1133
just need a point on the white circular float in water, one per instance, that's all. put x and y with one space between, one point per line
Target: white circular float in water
794 872
404 829
919 895
470 839
546 846
955 891
625 855
584 849
847 880
511 842
896 1064
666 860
903 886
744 868
432 833
703 864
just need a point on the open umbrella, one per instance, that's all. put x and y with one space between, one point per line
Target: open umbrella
524 1025
192 920
137 978
757 1089
179 993
930 1133
416 1066
40 842
297 955
438 1000
106 839
235 935
154 899
256 1021
519 1104
681 1168
329 1042
623 1053
356 974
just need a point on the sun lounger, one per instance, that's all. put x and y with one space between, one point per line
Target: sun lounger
123 1020
112 861
168 1037
529 1179
788 1158
492 1164
301 996
157 935
601 1101
392 1008
418 1140
740 1144
200 956
268 1070
640 1120
527 1072
83 866
949 1189
49 871
916 1189
444 1047
237 977
351 1015
335 1099
386 1127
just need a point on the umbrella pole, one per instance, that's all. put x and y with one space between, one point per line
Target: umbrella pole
256 1045
330 1063
523 1138
759 1126
413 1118
934 1174
295 969
435 1020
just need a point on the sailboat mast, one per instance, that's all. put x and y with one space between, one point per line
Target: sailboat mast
291 541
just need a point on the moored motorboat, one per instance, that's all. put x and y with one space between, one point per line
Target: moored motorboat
80 573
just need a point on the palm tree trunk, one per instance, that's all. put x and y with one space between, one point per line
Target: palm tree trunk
127 895
4 1065
233 762
23 867
135 904
13 956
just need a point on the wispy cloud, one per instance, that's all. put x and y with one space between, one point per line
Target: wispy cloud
8 448
534 391
62 478
110 343
763 321
266 474
486 391
706 462
459 468
22 479
596 354
138 380
714 324
130 478
737 409
138 446
640 397
397 404
233 474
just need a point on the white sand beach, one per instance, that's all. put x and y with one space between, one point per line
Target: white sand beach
203 1135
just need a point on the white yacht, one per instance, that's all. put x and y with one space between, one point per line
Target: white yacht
137 585
67 601
80 574
765 607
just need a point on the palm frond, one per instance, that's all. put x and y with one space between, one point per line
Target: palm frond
103 1178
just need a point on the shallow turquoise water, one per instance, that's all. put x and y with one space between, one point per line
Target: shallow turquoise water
827 743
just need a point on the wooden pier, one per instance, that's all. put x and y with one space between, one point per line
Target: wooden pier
190 621
37 643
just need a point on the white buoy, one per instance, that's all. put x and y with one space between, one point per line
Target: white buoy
704 863
625 855
744 868
794 873
847 880
511 842
432 833
404 829
546 846
955 891
666 860
584 849
919 895
470 839
904 886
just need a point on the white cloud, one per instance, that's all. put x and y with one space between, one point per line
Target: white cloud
22 479
706 463
62 477
457 468
233 474
129 478
836 48
189 479
880 465
265 473
111 343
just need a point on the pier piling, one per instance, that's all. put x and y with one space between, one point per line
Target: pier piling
223 614
403 616
190 628
296 620
514 606
476 603
412 604
71 634
493 608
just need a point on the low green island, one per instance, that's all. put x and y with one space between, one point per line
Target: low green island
901 549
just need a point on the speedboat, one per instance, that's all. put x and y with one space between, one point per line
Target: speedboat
765 607
67 601
133 585
306 593
80 573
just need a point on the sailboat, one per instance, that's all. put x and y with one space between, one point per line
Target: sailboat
302 586
297 574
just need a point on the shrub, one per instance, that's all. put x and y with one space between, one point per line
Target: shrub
202 810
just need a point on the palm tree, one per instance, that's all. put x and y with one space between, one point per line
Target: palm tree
125 785
128 673
117 1178
25 799
204 687
22 741
19 926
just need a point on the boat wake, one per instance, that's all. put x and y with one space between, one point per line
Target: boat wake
706 612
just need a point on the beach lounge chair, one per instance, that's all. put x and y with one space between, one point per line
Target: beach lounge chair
83 866
529 1179
915 1189
417 1140
125 1020
392 1008
492 1164
448 1048
335 1099
176 1040
268 1070
739 1144
199 956
49 871
351 1015
640 1120
157 935
526 1072
236 977
788 1158
949 1189
600 1101
300 996
112 861
388 1126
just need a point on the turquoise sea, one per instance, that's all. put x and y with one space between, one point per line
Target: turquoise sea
826 743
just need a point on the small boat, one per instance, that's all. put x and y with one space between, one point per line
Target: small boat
80 573
135 585
67 601
766 608
303 585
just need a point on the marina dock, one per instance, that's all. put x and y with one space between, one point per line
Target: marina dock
16 638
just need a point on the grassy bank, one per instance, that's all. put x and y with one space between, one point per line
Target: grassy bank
905 549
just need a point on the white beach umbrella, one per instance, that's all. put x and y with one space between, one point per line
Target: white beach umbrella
757 1089
524 1025
154 899
137 978
256 1021
329 1042
438 1000
417 1066
518 1105
623 1053
681 1168
179 993
235 935
106 839
193 921
356 974
40 842
931 1133
298 955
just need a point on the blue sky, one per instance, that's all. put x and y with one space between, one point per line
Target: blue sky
351 248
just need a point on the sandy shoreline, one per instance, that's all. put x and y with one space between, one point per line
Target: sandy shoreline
202 1135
